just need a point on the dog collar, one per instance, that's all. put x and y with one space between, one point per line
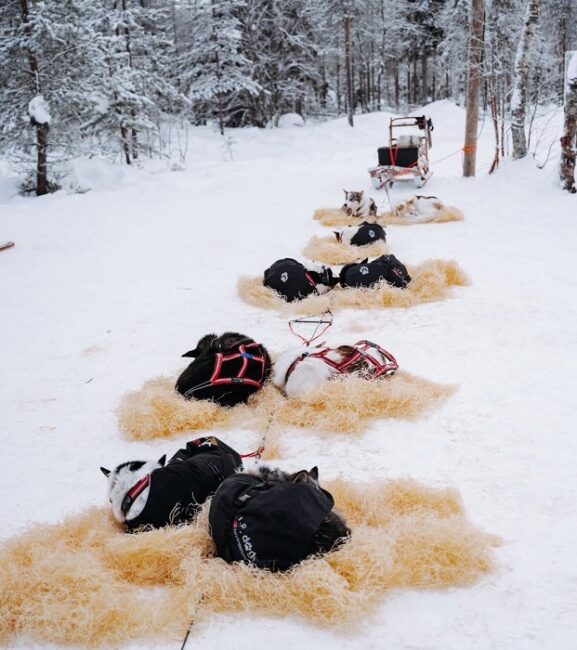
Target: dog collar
133 493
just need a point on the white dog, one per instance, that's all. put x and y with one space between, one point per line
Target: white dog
302 369
358 205
419 208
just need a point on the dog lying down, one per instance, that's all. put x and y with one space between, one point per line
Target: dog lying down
421 209
293 281
363 235
301 370
227 369
274 520
269 518
152 494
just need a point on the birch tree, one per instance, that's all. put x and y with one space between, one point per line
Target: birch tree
522 65
568 141
473 85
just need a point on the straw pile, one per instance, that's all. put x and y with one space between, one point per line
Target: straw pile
84 582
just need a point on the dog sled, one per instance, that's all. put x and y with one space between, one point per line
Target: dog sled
407 156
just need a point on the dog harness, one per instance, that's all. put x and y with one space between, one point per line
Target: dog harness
375 367
217 379
137 489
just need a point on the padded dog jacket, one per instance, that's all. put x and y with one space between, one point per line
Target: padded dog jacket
368 233
179 489
268 524
228 372
293 281
365 273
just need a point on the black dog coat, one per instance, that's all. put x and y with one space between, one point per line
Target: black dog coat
367 233
227 369
270 525
365 274
293 281
179 489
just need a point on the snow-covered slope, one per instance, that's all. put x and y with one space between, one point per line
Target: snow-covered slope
106 289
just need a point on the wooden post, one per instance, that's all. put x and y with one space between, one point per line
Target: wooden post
473 85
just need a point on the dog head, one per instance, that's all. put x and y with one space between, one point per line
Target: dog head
122 478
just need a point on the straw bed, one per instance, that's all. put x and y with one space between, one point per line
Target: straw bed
82 581
330 251
334 217
344 405
431 281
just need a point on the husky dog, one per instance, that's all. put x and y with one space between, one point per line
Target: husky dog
358 205
300 370
418 208
227 369
154 494
273 519
366 233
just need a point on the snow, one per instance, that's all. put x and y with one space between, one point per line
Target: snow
39 110
106 289
290 119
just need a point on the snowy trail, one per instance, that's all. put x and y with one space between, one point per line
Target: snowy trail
106 289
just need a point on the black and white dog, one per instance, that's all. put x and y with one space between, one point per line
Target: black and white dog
294 281
227 369
300 370
152 494
274 520
366 233
366 274
358 205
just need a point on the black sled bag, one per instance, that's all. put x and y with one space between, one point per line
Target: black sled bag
270 525
365 273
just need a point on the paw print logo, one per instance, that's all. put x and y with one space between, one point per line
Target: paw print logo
284 277
364 270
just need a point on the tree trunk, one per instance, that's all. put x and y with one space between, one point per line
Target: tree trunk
522 62
348 66
568 142
42 163
473 84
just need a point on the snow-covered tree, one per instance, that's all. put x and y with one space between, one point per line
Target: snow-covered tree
568 140
522 63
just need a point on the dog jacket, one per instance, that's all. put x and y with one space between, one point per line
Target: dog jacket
368 233
268 524
365 273
179 489
293 281
229 372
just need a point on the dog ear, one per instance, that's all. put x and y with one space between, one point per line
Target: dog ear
314 473
162 460
191 353
299 477
105 471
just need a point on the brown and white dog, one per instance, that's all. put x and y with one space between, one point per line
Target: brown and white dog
358 205
302 369
418 208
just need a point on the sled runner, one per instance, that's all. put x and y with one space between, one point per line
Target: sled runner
407 156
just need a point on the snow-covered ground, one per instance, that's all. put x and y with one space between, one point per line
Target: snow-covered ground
106 289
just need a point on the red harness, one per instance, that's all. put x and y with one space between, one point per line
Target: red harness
220 359
375 367
134 491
